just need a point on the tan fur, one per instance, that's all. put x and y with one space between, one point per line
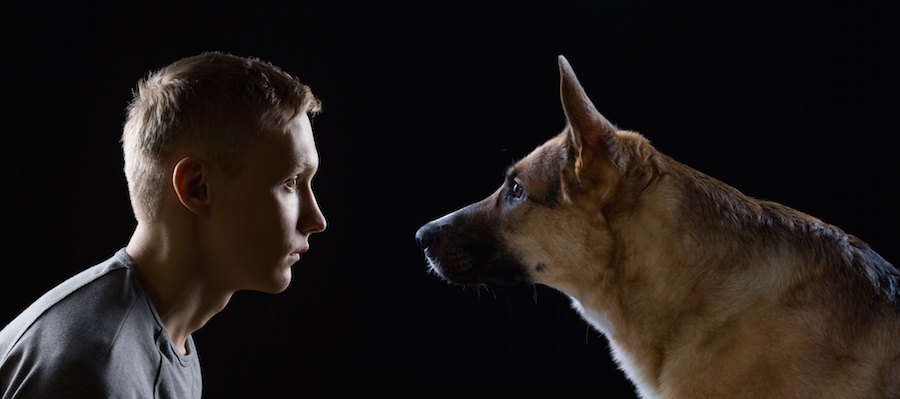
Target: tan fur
767 314
703 292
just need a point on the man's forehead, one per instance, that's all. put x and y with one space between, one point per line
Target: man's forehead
302 144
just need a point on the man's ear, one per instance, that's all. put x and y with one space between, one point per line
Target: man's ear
190 181
592 139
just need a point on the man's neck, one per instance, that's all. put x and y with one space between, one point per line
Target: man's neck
182 295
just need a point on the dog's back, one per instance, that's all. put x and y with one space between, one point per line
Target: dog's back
784 304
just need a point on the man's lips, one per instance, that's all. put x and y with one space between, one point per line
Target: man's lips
295 255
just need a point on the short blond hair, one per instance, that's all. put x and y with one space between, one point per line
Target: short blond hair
219 102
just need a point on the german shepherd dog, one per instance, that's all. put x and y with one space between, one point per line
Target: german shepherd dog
700 290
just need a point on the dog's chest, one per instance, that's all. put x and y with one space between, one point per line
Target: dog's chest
594 317
628 364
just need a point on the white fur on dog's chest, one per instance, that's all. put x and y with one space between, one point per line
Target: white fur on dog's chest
627 363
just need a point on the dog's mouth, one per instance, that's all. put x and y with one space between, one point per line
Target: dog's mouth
463 259
453 267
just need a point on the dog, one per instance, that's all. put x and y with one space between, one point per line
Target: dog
700 290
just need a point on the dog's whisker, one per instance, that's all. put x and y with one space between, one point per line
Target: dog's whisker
489 290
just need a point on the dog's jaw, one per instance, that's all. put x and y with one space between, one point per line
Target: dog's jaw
434 266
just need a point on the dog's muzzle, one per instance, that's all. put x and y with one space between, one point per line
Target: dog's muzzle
468 254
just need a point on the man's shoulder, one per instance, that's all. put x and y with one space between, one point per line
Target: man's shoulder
83 313
88 335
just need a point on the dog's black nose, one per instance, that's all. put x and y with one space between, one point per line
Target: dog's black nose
425 235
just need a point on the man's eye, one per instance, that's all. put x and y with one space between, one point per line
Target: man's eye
293 183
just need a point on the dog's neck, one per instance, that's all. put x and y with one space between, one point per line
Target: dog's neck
640 373
659 270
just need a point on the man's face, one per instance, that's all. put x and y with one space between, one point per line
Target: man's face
262 218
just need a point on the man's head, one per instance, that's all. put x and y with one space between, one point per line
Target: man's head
215 103
219 158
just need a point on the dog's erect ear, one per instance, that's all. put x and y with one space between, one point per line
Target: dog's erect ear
591 137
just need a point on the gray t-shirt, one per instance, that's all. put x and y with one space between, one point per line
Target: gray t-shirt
95 335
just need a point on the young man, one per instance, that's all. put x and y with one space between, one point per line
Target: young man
219 158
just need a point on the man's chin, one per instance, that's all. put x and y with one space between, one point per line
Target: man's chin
276 283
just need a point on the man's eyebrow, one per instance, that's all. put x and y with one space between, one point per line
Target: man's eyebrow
305 159
299 165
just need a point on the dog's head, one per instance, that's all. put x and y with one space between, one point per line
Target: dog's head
548 223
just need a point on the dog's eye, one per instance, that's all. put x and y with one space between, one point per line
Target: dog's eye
515 190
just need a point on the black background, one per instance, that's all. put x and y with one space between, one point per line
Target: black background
425 105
